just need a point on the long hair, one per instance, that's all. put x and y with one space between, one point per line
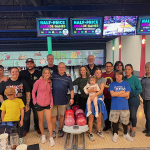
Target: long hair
87 71
129 65
120 72
117 63
43 71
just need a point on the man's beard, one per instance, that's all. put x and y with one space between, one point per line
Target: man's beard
31 68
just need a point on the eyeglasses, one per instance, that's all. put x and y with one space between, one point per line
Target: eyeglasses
108 66
61 67
119 65
10 94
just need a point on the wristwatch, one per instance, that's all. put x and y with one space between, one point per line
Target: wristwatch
72 98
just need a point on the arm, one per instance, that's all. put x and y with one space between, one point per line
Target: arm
28 101
2 115
22 116
35 87
85 88
75 82
116 94
1 99
72 96
126 94
51 95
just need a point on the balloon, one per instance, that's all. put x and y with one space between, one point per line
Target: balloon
79 111
69 111
80 115
69 115
81 121
75 108
69 121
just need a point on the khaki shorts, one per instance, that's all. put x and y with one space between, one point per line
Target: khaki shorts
123 114
61 110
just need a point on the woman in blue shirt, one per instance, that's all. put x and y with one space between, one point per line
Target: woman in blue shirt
119 90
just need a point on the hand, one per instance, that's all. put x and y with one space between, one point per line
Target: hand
68 75
51 107
127 97
5 78
71 102
27 108
103 97
41 78
21 123
92 97
123 92
87 93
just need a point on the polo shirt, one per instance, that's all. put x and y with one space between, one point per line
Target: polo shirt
60 85
92 70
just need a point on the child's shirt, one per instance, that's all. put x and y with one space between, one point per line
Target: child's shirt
12 109
88 86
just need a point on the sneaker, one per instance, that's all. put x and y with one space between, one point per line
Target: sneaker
91 137
46 126
128 131
100 134
21 141
96 114
60 133
147 134
145 131
132 134
128 137
115 137
54 134
43 139
88 113
51 140
58 124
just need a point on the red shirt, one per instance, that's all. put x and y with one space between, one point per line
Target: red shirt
109 79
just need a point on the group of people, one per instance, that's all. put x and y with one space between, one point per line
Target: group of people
46 92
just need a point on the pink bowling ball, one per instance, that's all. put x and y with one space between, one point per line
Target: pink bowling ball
75 108
79 111
80 115
69 121
69 111
81 121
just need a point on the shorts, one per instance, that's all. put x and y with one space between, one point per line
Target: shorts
123 114
61 110
41 108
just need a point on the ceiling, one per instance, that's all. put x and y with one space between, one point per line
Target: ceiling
18 17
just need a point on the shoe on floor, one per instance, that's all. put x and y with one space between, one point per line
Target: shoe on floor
21 141
147 134
128 137
91 137
51 140
60 133
58 124
115 137
54 134
46 126
145 131
132 133
128 131
38 131
43 139
25 133
106 128
100 134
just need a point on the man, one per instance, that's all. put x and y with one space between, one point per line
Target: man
51 66
30 75
91 66
108 75
61 84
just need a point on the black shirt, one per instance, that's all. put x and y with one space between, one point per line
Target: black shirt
92 70
30 78
20 86
52 69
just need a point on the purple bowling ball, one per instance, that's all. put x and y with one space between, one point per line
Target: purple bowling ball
80 115
75 108
79 111
69 121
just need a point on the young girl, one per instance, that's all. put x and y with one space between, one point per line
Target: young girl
92 85
119 91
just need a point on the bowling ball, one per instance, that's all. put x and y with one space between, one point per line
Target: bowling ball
81 121
69 111
69 121
79 111
75 108
69 115
80 115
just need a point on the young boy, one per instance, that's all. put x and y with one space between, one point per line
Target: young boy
12 108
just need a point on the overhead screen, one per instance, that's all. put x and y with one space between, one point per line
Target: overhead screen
86 26
143 26
52 27
119 25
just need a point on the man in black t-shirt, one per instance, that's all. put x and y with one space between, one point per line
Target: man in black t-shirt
30 75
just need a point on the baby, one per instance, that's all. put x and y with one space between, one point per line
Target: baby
92 85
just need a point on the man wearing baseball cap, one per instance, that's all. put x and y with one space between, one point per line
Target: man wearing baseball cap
30 75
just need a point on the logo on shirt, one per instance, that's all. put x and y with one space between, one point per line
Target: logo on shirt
119 88
109 80
35 78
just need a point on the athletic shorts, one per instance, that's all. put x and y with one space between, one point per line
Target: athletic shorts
40 108
123 114
61 110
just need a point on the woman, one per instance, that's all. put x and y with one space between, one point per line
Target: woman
118 66
101 83
145 81
119 91
134 100
22 91
44 102
81 82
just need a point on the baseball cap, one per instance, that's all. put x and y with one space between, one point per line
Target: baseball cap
29 60
9 90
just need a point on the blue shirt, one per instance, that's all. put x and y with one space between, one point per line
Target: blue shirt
119 103
60 85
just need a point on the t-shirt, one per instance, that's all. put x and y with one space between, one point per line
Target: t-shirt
12 109
52 69
30 78
82 83
119 103
93 70
20 86
99 82
60 85
109 80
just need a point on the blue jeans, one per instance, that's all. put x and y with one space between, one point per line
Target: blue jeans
27 118
133 115
147 114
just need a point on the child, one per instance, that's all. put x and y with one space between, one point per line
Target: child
119 91
12 108
92 85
